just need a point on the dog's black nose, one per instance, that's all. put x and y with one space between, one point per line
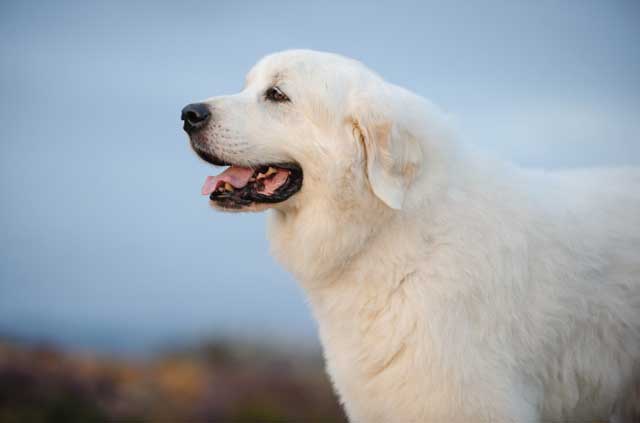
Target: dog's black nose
195 116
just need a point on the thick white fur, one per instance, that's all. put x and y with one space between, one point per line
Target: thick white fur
447 286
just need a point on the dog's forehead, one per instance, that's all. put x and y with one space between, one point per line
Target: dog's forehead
275 68
291 64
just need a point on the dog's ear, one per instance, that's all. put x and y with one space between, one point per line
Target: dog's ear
393 155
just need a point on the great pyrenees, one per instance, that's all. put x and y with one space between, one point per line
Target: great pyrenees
447 286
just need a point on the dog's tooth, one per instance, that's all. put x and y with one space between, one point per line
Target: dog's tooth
228 186
261 176
271 171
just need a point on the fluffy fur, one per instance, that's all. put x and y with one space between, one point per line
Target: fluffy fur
447 286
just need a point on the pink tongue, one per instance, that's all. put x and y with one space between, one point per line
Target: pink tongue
235 175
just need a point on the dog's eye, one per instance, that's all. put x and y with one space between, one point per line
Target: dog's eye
274 94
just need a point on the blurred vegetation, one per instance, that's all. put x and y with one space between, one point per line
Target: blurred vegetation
218 381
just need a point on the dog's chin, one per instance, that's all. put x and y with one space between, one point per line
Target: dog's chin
253 207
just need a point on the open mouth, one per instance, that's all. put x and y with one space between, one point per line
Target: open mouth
240 186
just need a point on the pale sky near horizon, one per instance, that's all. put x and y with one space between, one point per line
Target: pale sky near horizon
106 242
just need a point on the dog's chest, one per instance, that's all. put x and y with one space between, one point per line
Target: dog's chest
373 339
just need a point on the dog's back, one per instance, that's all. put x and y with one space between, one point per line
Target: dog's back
577 326
593 286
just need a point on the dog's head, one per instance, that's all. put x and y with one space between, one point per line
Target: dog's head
308 127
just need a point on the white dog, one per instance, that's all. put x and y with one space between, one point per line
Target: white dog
447 286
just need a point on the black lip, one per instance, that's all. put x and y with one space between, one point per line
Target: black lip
208 157
249 194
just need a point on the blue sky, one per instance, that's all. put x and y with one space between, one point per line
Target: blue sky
105 241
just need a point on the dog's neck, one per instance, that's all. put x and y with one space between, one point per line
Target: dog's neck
347 291
317 246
